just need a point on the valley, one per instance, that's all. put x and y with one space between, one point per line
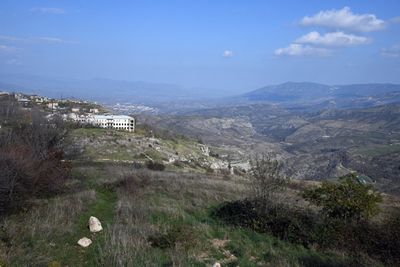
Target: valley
315 144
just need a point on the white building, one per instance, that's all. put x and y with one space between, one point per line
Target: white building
118 122
52 105
4 93
38 99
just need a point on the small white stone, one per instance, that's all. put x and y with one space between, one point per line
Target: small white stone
84 242
217 264
94 225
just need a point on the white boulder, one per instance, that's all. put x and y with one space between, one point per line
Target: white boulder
95 225
84 242
217 264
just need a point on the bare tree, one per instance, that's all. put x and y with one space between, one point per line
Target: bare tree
267 179
9 110
31 154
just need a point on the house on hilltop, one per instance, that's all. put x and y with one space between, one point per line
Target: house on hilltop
118 122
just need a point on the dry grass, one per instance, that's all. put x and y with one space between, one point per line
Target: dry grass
167 199
127 237
145 204
30 235
169 196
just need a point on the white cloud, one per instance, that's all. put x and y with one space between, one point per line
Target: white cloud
302 50
13 61
345 19
393 51
9 38
395 20
45 40
47 10
332 39
7 49
52 40
227 53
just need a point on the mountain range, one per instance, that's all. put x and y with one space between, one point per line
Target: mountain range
308 95
321 95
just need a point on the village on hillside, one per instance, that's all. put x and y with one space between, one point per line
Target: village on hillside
79 111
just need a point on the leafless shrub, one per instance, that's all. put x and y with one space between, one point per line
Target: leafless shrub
267 179
10 110
30 161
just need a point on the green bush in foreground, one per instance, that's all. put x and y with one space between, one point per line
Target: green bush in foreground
341 225
362 241
349 199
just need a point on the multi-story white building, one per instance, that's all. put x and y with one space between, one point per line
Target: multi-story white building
118 122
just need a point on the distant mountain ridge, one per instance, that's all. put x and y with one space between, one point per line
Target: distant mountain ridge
303 93
289 91
307 95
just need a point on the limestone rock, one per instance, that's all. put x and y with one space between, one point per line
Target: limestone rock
94 225
84 242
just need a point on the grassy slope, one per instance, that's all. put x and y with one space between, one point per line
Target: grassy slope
49 230
112 146
176 205
380 150
166 201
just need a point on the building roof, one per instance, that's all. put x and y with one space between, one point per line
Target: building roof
115 117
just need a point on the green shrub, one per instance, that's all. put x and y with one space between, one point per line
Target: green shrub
289 224
155 166
349 199
178 235
341 226
383 239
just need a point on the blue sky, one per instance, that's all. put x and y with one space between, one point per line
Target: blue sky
227 45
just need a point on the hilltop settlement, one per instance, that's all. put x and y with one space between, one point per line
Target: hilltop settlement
83 112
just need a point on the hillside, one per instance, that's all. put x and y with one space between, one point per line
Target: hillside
315 145
176 152
314 95
148 218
